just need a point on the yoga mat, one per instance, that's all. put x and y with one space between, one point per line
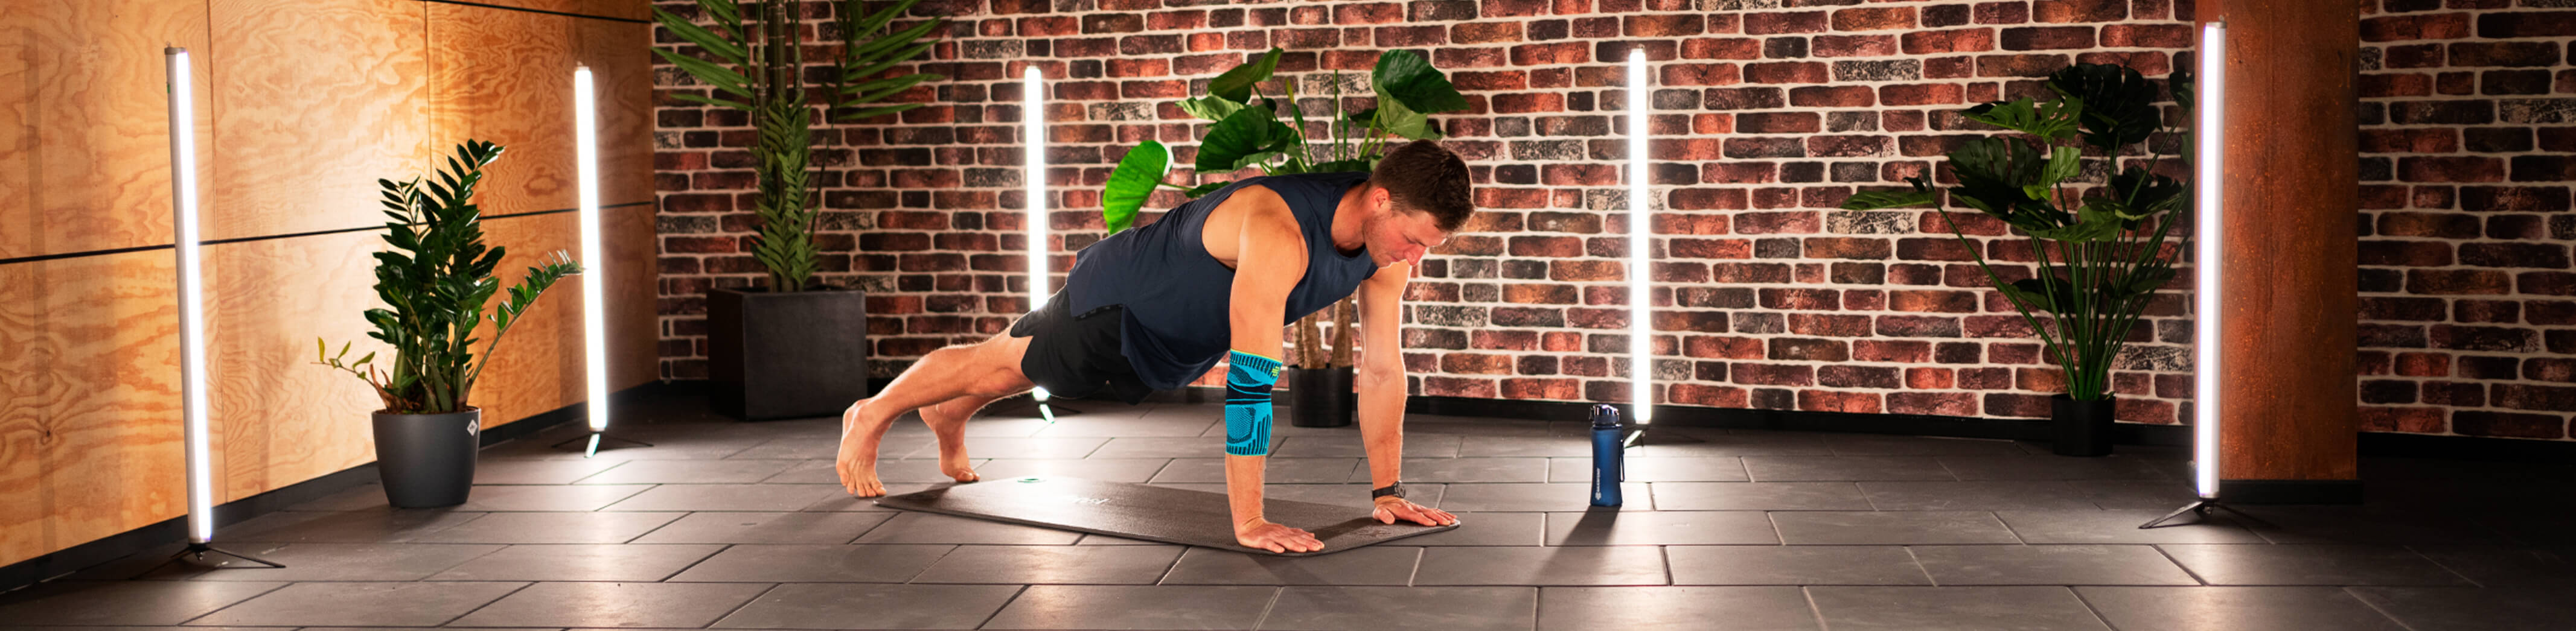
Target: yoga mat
1150 513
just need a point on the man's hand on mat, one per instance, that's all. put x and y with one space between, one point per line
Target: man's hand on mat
1260 533
1390 509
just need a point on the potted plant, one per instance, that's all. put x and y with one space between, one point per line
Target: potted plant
1248 132
793 348
2099 263
1319 384
434 285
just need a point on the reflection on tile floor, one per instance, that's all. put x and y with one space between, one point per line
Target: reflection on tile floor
730 525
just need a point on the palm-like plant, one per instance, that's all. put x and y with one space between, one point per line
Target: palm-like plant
1249 133
435 284
2100 263
757 68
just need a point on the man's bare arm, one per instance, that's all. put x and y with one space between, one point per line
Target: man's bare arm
1270 258
1382 392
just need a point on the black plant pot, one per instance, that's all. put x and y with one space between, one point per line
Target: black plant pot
2083 428
1321 397
780 356
427 460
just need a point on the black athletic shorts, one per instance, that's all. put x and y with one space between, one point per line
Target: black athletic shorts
1076 356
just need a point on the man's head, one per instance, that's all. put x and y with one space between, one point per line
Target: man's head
1417 197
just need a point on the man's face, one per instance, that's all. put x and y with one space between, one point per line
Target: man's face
1397 234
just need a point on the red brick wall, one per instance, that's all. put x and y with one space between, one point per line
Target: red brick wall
2465 284
1769 117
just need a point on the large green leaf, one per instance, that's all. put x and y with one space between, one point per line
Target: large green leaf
2144 194
2052 120
2118 103
1245 137
1236 84
707 72
1135 179
1209 107
1411 80
1992 171
2036 294
2093 223
2063 162
1873 200
1395 118
690 32
1339 166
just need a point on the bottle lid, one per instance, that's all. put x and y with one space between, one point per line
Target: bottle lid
1604 417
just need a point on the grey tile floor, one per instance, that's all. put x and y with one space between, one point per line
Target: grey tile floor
732 525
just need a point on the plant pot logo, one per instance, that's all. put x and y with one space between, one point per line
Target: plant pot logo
472 426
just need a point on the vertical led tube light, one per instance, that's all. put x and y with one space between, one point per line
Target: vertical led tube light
192 315
1641 345
2209 220
1033 140
594 306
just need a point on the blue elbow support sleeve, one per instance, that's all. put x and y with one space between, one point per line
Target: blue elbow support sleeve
1248 378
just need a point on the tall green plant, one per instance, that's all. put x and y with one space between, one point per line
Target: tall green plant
2099 263
757 67
1249 132
434 285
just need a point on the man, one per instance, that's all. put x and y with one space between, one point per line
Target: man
1217 278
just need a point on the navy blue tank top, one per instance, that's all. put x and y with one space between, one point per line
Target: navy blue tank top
1176 296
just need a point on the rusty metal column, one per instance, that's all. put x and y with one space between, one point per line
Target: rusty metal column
2290 408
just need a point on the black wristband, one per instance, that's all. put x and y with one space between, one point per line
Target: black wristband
1391 490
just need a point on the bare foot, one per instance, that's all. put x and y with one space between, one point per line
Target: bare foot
858 459
948 422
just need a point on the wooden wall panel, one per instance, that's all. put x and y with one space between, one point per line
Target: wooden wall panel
2292 265
506 77
84 123
89 400
316 99
624 9
538 366
319 99
621 65
283 419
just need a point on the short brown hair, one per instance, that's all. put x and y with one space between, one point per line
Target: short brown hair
1422 175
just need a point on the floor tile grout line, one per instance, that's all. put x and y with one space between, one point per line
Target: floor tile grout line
2088 608
1006 604
746 604
1920 567
280 587
488 604
2186 569
1809 591
2347 591
1276 594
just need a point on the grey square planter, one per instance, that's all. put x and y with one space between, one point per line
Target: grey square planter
782 356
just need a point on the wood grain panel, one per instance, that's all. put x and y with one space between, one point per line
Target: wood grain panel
89 400
283 419
538 366
319 99
505 76
2291 261
621 66
84 122
316 100
627 9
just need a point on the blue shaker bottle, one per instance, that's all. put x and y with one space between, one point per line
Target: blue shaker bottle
1608 470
